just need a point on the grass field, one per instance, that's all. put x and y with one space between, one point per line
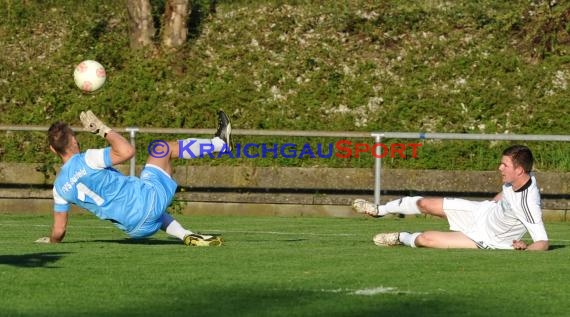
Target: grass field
272 266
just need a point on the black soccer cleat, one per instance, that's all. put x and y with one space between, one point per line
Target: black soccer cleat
224 129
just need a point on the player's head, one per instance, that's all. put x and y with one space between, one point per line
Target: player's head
61 138
521 156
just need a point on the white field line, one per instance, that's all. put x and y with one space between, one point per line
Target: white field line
6 224
230 231
372 291
284 233
307 233
19 224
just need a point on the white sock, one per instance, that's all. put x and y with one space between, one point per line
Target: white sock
409 239
195 148
173 227
219 144
405 205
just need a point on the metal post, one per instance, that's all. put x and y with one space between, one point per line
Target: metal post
132 135
377 167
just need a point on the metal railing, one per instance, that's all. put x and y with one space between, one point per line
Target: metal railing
451 136
377 136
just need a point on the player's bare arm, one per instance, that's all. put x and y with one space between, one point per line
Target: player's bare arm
121 149
59 227
541 245
58 230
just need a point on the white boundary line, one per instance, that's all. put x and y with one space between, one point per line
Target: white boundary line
285 233
231 231
371 291
204 230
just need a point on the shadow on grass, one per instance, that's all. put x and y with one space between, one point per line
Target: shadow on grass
135 241
143 241
556 246
170 241
274 302
33 259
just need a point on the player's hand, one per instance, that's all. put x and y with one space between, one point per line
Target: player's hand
519 245
43 240
92 124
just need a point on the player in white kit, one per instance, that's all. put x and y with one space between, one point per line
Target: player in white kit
136 205
500 223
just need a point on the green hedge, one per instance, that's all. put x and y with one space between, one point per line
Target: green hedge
464 67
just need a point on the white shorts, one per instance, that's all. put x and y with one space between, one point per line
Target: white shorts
468 217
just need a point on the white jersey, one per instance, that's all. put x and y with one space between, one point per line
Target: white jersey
510 218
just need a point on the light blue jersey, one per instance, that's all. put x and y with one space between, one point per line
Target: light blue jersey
134 205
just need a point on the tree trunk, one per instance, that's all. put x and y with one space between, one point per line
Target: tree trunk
141 27
174 29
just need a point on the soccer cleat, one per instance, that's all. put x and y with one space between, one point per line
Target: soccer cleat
362 206
387 239
201 240
224 129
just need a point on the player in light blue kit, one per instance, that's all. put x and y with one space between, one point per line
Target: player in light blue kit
136 205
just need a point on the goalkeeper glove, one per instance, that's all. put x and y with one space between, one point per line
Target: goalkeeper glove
93 124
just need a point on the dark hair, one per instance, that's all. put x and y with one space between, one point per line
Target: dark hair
521 156
59 136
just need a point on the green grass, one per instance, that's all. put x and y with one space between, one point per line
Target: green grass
271 266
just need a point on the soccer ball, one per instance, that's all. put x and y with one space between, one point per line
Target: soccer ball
89 75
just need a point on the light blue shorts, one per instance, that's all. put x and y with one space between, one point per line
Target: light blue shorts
160 189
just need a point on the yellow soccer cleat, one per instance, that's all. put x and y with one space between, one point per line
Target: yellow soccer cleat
201 240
